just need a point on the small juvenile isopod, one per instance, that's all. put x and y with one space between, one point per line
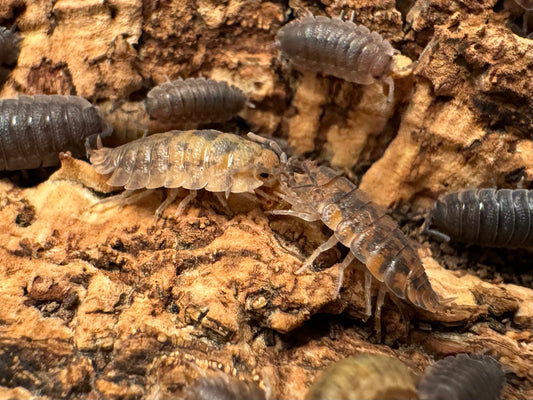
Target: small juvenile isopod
319 193
195 100
35 129
336 47
364 377
198 159
489 217
223 387
463 377
9 46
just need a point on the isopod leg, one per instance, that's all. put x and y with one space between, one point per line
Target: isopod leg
332 241
368 294
390 83
404 314
122 199
223 202
190 197
377 317
305 216
342 267
171 196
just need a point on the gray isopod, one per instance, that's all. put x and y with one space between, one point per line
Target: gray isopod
196 100
336 47
223 387
34 129
9 46
490 217
463 377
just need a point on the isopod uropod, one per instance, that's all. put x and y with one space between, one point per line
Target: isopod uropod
223 387
198 159
366 376
372 236
490 217
35 129
336 47
463 377
9 46
195 100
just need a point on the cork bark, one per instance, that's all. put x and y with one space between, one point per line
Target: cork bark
98 301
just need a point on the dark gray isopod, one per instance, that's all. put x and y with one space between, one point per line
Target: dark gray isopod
9 46
35 129
490 217
335 47
223 387
463 377
195 100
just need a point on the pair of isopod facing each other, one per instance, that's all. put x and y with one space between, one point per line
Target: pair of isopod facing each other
227 163
377 377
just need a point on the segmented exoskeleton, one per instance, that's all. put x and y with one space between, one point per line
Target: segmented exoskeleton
196 100
463 377
336 47
197 159
489 217
366 376
9 46
35 129
223 387
319 193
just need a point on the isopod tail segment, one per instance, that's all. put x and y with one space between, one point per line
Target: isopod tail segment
319 193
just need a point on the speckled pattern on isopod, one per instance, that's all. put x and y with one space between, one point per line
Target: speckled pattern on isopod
197 159
319 193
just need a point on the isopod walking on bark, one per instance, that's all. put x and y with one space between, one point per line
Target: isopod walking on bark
195 100
35 129
198 159
463 377
333 46
489 217
319 193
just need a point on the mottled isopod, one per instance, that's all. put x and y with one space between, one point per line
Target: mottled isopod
364 377
195 100
463 377
319 193
223 387
35 129
198 159
336 47
9 46
489 217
